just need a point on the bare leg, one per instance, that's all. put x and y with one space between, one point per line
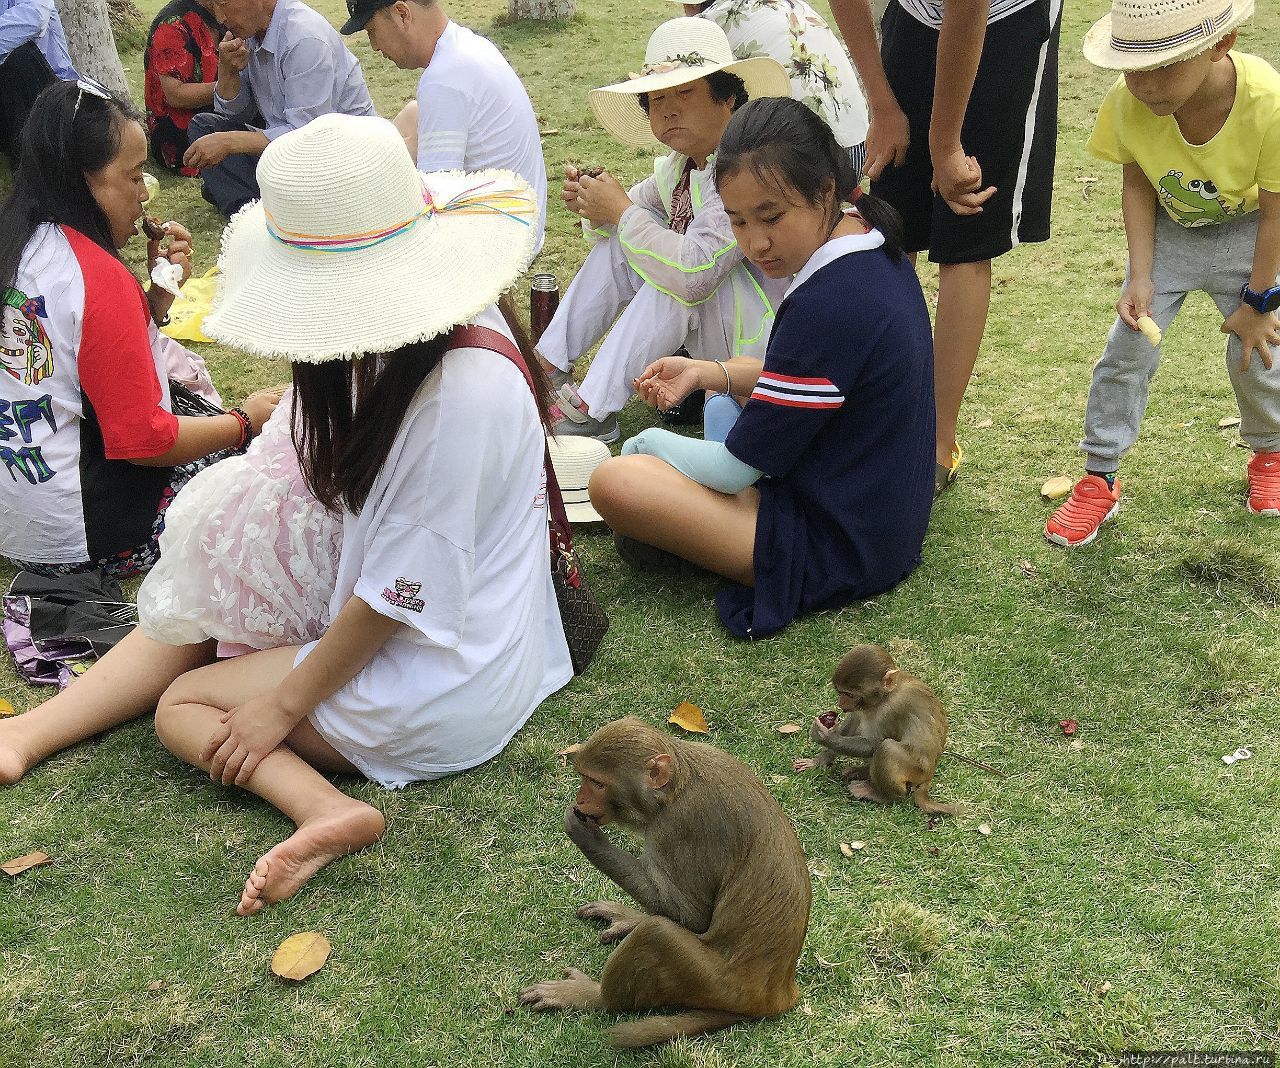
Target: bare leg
964 297
406 124
330 824
649 500
124 684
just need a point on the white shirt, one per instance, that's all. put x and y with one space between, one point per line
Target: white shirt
929 12
452 542
474 113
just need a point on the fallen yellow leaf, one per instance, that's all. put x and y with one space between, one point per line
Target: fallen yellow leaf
301 955
690 717
6 709
846 849
788 728
20 864
1057 488
1228 421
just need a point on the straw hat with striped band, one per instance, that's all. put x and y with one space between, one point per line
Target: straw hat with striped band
680 51
574 459
1146 34
351 250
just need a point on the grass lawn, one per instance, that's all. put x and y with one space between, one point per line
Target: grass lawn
1126 897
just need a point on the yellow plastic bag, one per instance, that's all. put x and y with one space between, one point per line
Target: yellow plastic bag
186 317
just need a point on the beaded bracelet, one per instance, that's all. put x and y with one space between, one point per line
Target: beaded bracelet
246 427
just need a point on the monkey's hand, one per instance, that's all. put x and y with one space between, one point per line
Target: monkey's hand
583 831
806 764
820 733
620 920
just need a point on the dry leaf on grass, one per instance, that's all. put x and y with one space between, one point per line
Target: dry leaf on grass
18 865
983 829
1228 421
1028 568
850 848
6 709
1057 487
777 780
984 424
788 728
689 717
301 955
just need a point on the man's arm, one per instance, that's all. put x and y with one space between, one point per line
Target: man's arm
957 177
232 97
23 22
888 134
307 74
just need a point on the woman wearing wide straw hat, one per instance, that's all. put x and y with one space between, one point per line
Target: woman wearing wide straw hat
666 266
445 633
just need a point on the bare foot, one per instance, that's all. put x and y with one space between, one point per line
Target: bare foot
864 791
284 870
575 991
13 765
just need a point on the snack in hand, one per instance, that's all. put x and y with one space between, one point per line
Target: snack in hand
1149 329
151 228
828 719
590 172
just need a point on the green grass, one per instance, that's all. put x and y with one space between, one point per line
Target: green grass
1126 897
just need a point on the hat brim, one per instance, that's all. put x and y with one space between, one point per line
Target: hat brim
1099 50
582 513
274 300
618 106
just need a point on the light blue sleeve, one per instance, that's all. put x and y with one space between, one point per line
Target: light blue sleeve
706 462
22 23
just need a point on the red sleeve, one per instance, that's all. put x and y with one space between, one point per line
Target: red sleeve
117 369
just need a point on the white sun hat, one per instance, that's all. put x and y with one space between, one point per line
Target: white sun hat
351 250
574 459
1146 34
680 51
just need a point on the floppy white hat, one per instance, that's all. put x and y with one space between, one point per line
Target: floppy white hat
680 51
351 250
574 459
1146 34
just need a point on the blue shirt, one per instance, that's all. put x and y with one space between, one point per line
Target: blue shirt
841 422
298 71
36 20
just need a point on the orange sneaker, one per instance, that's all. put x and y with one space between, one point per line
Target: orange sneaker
1264 483
1092 502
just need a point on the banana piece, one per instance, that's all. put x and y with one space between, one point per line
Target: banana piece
1149 329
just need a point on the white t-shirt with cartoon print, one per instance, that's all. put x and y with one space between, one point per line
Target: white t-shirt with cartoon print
452 542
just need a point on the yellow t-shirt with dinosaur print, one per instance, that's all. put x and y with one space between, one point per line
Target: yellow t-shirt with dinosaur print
1199 185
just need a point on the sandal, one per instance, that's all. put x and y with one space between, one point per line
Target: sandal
943 476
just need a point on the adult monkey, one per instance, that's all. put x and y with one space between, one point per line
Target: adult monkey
722 879
892 720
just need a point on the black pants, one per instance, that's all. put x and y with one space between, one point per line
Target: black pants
231 184
22 77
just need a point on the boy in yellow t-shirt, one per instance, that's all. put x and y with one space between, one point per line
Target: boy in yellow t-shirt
1196 127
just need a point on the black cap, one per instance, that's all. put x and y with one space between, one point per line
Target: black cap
361 11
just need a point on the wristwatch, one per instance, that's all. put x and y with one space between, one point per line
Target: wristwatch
1266 301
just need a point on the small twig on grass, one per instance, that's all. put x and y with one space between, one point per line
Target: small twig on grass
976 763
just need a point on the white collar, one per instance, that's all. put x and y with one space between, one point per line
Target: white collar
832 251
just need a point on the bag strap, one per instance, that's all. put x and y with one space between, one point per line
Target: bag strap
482 337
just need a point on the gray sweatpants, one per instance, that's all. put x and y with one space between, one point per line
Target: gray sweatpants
1216 260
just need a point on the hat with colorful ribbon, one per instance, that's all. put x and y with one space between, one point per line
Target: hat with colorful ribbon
680 51
352 251
1146 34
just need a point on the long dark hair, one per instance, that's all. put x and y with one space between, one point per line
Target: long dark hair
347 413
782 142
69 133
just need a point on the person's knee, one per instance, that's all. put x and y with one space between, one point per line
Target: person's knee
619 487
175 712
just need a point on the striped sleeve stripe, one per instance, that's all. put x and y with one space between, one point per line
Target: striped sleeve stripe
791 392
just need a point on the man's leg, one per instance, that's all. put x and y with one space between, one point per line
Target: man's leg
231 184
964 297
603 286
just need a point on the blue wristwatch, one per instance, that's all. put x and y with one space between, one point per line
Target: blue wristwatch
1266 301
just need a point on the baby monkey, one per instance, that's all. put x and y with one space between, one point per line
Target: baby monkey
890 719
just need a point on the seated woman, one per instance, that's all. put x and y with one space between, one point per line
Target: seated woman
665 266
821 492
181 69
90 443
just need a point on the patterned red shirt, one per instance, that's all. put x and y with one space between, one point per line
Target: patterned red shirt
182 44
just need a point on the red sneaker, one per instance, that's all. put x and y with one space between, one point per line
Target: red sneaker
1092 503
1264 483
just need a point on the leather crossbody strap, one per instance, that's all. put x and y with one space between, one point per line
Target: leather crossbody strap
481 337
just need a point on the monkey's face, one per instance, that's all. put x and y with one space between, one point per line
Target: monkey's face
593 799
858 695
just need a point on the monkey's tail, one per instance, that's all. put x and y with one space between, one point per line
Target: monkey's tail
654 1029
921 797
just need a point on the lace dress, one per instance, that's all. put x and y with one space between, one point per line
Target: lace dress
247 556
